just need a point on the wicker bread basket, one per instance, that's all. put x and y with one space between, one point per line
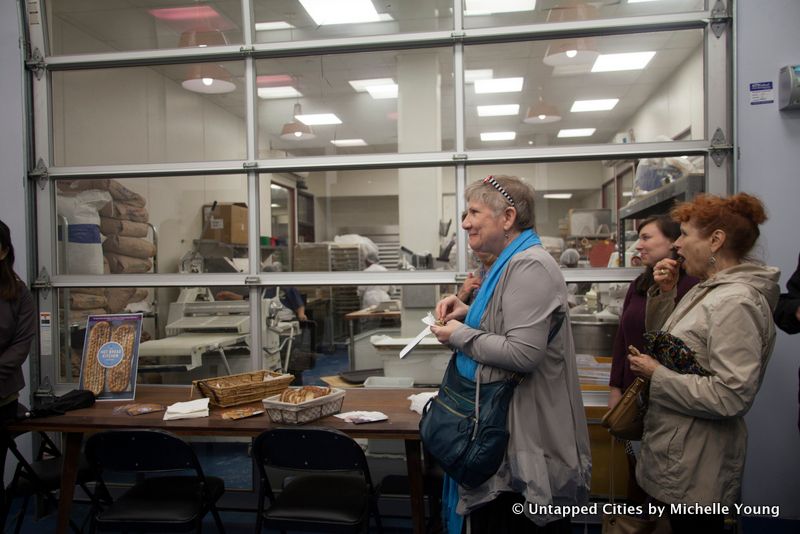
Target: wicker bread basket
304 412
232 390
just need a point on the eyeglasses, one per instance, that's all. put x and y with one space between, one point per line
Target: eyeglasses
491 181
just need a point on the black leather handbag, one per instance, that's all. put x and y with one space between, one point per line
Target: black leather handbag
468 441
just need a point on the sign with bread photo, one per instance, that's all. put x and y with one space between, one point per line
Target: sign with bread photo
111 355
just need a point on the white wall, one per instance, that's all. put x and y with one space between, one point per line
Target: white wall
677 105
769 166
13 182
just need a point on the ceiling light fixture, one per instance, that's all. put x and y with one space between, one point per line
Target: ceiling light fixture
542 112
348 142
604 104
498 85
326 12
498 136
208 78
558 196
489 7
576 132
625 61
498 110
570 51
276 25
286 91
295 130
318 119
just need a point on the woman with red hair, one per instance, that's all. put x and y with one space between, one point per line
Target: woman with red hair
695 438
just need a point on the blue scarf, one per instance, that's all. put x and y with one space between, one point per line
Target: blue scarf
467 367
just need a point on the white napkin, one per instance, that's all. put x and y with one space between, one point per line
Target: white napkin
419 400
187 410
362 416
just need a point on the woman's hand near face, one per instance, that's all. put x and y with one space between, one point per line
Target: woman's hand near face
665 274
642 364
472 283
451 308
443 333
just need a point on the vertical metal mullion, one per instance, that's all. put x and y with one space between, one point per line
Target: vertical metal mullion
254 263
44 231
458 78
461 236
718 106
461 170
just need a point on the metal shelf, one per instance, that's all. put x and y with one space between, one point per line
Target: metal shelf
657 202
662 199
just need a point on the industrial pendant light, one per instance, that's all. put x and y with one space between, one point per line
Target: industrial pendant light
542 112
571 51
296 130
209 78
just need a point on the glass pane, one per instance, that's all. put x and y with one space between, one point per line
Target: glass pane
145 225
300 20
485 13
93 26
399 101
569 210
370 220
156 114
183 330
608 89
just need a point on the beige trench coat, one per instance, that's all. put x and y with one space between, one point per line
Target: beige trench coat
695 438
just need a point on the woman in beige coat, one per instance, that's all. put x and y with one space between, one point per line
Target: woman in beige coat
695 438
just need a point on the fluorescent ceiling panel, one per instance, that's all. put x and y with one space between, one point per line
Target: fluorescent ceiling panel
625 61
381 92
470 75
487 7
349 142
268 26
286 91
498 110
328 12
594 105
498 136
576 132
318 119
362 85
558 196
499 85
641 1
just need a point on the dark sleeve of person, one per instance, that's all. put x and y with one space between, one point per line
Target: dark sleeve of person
620 352
786 310
17 351
293 298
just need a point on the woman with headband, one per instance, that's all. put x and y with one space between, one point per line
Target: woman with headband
517 324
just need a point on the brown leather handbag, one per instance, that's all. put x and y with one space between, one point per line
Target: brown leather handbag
626 419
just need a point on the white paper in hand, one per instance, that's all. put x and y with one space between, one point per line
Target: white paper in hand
414 342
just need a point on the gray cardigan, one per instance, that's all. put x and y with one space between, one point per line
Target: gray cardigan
548 458
17 331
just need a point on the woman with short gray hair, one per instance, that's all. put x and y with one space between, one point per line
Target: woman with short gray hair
518 323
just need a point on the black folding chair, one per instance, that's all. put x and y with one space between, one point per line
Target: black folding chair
339 499
40 477
158 500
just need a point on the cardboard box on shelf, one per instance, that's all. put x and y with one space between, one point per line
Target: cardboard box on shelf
228 223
